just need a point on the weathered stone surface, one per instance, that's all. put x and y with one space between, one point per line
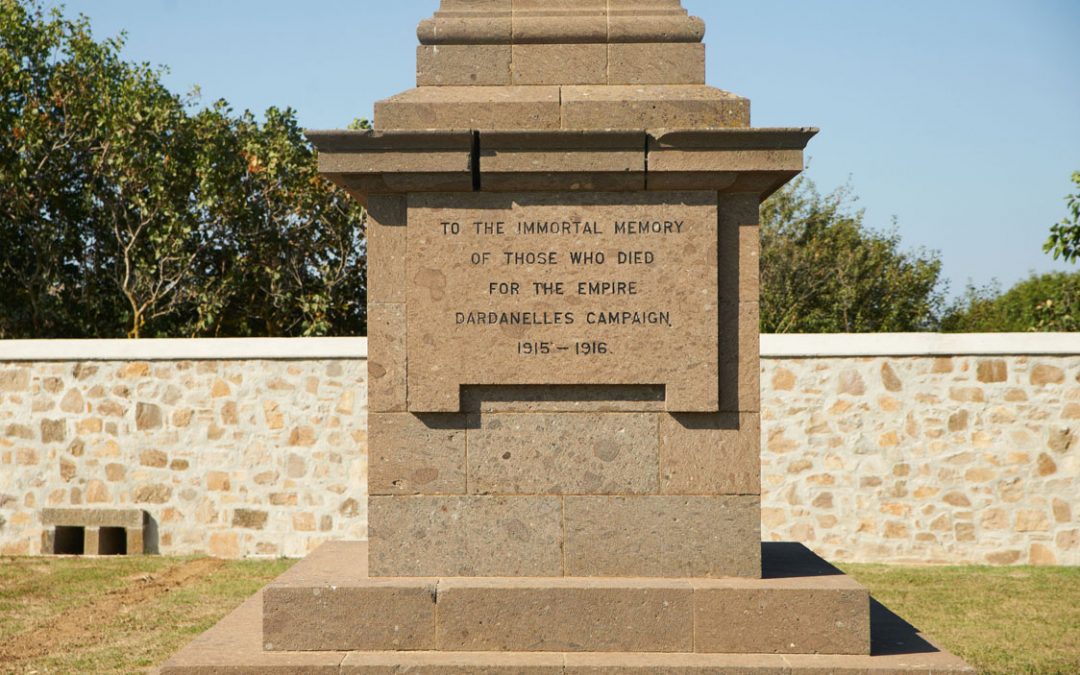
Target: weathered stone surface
386 357
539 64
386 242
740 373
92 517
657 63
739 248
703 453
559 453
563 398
671 306
662 536
335 608
462 65
652 107
147 416
565 615
478 107
581 161
465 536
416 454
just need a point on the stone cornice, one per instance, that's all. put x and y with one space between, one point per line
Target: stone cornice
460 22
725 160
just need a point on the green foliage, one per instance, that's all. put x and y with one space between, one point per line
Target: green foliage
123 212
1047 302
1064 241
823 271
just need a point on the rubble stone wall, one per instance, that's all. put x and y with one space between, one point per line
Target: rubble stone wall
914 453
239 457
933 458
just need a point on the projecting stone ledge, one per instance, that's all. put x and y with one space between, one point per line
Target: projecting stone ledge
744 160
470 22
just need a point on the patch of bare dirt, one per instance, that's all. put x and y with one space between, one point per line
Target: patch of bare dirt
81 627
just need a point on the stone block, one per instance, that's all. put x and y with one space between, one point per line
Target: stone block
468 22
465 536
710 453
547 161
386 357
517 108
794 620
92 540
387 614
462 65
652 107
560 21
377 162
563 398
655 63
563 453
92 517
739 160
386 248
560 64
739 248
565 615
136 540
671 307
416 454
662 536
740 371
452 663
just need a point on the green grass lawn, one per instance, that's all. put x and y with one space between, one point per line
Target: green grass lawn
123 615
999 619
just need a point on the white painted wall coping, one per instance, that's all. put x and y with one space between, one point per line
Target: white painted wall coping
185 349
780 346
772 347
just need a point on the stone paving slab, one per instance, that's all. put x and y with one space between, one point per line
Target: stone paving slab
234 645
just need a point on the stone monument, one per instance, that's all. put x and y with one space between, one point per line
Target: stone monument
563 376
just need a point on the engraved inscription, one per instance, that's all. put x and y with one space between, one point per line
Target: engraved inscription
580 288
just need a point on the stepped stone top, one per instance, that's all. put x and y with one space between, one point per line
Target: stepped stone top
561 65
459 22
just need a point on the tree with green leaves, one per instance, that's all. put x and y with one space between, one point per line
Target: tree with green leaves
824 271
124 211
1064 241
1046 302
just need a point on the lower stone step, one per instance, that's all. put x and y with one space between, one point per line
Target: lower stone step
802 606
234 647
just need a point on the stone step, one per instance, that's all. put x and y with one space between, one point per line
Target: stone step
802 606
233 647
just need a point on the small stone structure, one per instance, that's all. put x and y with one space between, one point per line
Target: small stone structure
90 531
564 395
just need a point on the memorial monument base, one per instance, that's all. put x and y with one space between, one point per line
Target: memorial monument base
326 615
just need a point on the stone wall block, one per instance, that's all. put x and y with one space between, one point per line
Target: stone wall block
706 453
386 357
559 64
386 239
465 536
656 63
561 453
416 454
662 536
462 65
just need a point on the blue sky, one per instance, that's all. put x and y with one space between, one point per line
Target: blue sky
961 118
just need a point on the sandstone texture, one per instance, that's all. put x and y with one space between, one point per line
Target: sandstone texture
227 458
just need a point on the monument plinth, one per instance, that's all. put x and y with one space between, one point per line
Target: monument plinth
563 374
